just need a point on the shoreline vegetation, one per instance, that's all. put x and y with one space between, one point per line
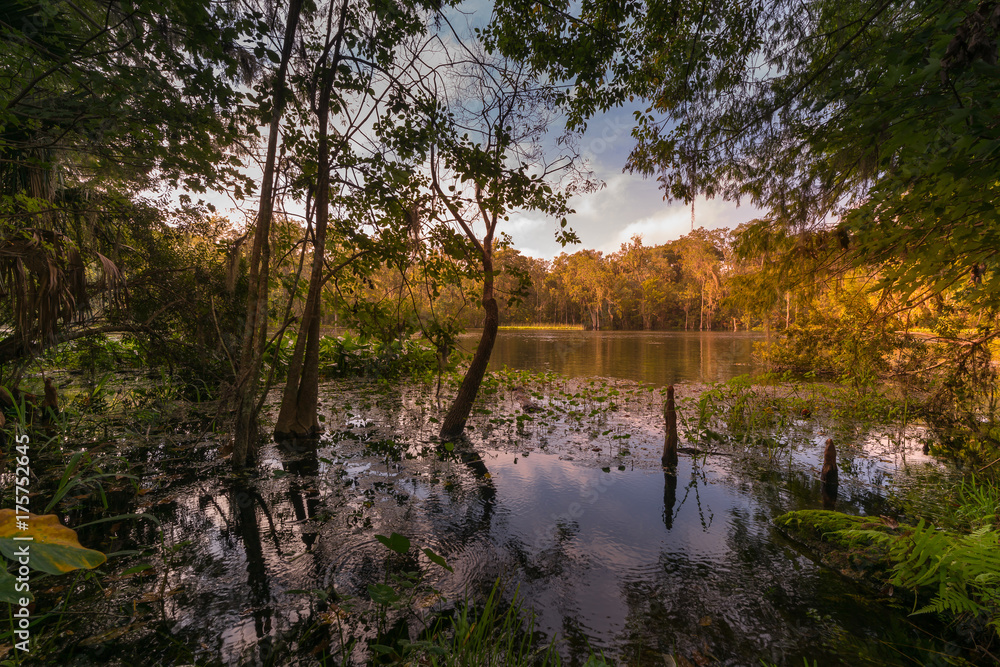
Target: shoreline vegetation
541 327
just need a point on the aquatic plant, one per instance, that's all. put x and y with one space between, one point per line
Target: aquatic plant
979 503
956 575
961 573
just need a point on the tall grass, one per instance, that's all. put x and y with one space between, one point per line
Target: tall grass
493 635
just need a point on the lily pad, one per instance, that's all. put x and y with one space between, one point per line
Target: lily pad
54 549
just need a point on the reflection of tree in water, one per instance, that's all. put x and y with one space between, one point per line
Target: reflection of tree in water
660 357
575 641
300 459
669 498
671 508
717 610
244 501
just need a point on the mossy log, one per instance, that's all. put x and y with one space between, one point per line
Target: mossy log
857 558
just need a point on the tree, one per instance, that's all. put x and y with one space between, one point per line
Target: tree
876 117
589 283
366 58
247 384
100 99
485 160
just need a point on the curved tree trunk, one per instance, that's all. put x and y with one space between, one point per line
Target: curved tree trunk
461 407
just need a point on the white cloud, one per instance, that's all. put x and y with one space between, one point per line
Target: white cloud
675 221
628 205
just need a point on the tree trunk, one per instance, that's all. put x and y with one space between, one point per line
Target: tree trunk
299 403
701 317
461 407
246 428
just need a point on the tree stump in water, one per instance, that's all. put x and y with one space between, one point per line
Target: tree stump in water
669 458
829 473
828 477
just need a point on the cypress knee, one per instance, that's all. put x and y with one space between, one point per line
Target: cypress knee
829 474
670 441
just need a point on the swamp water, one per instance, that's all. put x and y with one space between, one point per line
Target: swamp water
569 504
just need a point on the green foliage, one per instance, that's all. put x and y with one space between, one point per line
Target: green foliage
741 411
963 408
960 572
102 101
95 354
493 634
850 343
829 526
348 355
131 91
877 114
978 503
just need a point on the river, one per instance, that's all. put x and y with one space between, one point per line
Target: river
656 357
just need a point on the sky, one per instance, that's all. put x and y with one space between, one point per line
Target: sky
628 204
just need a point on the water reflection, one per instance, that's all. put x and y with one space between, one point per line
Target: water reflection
245 501
300 460
656 357
612 558
669 498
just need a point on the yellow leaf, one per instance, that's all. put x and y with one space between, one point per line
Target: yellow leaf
54 548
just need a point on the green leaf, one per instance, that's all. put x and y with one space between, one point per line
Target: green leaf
8 587
382 594
54 549
396 542
438 560
141 567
